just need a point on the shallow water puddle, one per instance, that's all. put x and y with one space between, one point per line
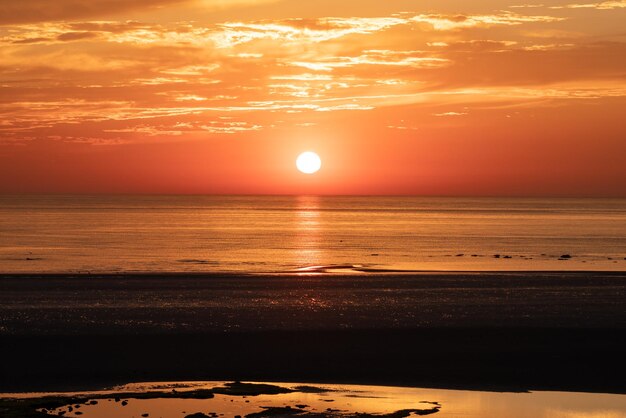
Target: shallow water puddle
256 400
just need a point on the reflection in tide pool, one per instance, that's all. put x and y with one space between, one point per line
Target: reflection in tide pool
332 401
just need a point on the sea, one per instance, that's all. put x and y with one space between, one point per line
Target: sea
308 234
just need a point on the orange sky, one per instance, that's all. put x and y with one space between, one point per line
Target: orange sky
447 97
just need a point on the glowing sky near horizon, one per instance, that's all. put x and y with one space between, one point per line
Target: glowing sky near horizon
488 97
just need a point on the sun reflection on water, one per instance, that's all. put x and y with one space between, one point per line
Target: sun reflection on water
307 251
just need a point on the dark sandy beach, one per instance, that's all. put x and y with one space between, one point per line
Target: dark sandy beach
490 331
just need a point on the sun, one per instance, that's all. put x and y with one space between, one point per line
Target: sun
309 162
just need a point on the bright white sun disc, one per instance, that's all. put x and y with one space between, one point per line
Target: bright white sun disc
309 162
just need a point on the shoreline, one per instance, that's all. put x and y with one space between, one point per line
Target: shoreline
366 273
510 331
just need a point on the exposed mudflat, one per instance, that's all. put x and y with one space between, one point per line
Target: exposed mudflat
491 331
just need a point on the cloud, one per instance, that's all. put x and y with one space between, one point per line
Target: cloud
450 114
532 63
133 80
527 6
224 35
303 77
68 31
190 98
219 125
414 59
547 47
446 22
229 128
29 11
76 36
192 70
147 130
330 28
31 40
46 114
402 127
104 26
230 35
482 45
301 30
603 5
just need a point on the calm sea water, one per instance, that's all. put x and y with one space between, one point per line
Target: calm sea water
308 233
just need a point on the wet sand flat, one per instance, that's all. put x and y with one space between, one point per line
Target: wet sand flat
263 400
502 331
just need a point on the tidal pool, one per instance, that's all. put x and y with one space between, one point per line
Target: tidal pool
232 399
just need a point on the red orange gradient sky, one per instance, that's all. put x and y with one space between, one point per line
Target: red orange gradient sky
447 97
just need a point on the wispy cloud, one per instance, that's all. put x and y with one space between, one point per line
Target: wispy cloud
172 79
147 130
27 11
446 22
300 30
527 6
415 59
450 114
232 34
229 128
603 5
